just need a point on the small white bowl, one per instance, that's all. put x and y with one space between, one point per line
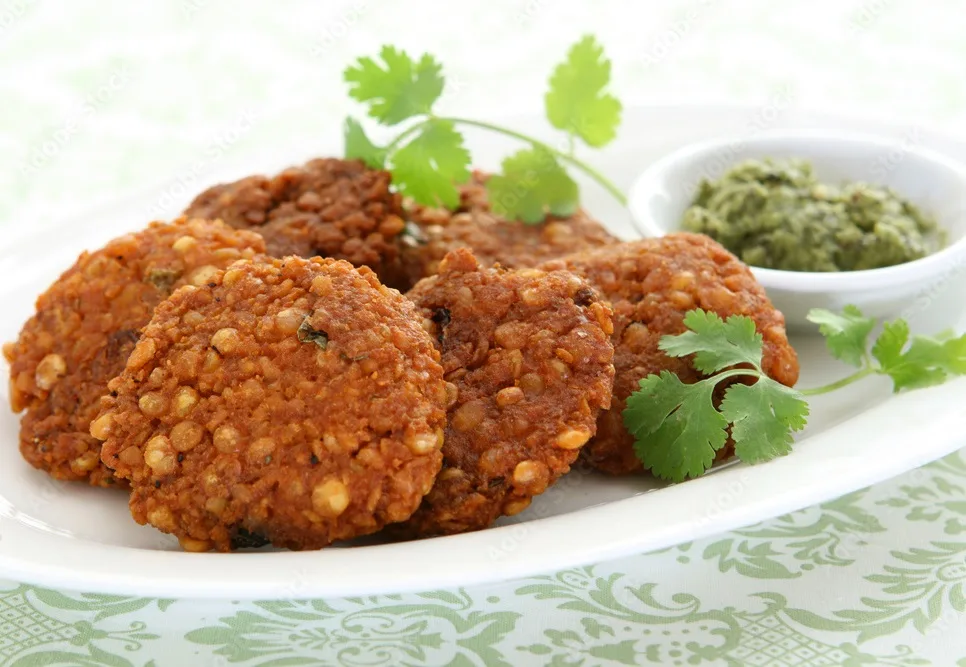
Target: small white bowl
933 182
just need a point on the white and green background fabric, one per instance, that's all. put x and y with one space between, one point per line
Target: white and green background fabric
102 99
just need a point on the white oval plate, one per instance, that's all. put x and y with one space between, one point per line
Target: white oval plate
74 537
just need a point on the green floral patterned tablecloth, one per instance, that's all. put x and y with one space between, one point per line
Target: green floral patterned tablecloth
101 99
872 578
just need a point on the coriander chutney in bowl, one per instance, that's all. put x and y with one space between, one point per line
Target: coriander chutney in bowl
824 219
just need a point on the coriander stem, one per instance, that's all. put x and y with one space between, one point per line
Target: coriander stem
724 375
838 384
602 180
402 135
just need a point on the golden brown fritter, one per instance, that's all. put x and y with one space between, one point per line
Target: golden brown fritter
86 325
326 208
651 284
434 232
292 401
530 362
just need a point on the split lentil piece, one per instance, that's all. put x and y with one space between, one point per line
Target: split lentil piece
86 325
265 435
651 285
326 207
516 420
433 232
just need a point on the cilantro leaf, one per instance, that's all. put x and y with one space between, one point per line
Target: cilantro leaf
921 366
401 89
359 147
763 416
928 360
715 343
395 87
532 183
910 361
576 102
431 164
888 346
677 428
846 335
658 396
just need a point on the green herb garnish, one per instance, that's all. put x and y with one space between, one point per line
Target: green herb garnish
428 159
163 279
576 102
308 334
678 429
910 361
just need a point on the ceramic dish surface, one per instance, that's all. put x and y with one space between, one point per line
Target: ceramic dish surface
69 536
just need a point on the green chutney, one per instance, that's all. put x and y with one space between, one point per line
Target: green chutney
776 215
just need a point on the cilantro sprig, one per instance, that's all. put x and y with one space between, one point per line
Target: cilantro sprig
911 362
429 158
679 428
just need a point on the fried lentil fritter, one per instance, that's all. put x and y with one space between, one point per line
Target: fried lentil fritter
530 362
88 322
651 285
434 232
292 401
327 208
